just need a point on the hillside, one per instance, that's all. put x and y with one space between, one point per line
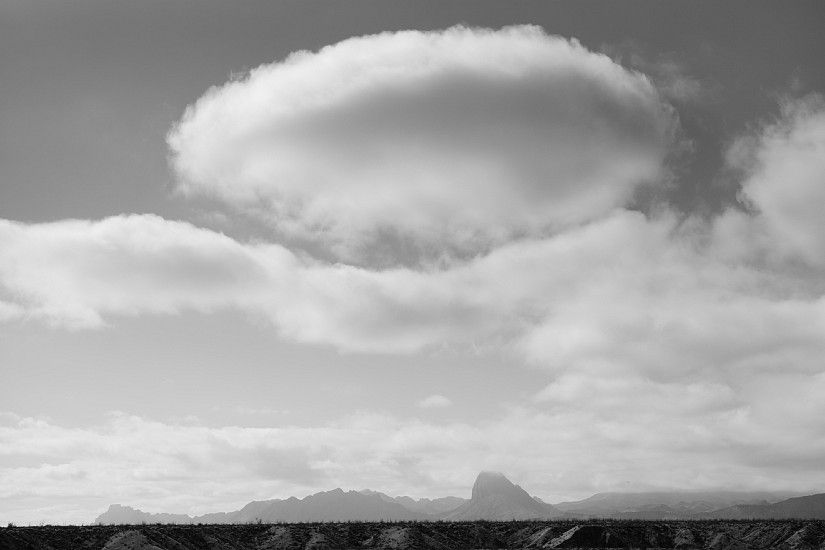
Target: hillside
699 535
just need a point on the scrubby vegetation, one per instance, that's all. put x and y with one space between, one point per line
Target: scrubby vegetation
698 534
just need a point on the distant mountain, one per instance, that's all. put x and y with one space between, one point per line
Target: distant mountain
496 498
117 514
808 507
434 506
422 505
661 504
335 505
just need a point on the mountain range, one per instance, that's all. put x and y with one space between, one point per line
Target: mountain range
335 505
494 498
807 507
664 505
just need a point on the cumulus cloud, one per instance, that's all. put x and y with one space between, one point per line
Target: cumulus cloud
79 273
623 292
76 271
785 163
435 402
461 138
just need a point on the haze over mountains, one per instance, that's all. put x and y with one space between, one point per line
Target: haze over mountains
807 507
494 498
663 504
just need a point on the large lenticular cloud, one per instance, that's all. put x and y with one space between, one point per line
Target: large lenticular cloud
464 137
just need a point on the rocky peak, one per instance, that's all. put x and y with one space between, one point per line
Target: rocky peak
494 483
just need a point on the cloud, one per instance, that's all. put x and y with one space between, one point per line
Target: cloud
9 311
625 292
666 70
79 273
131 265
74 272
461 138
785 186
435 402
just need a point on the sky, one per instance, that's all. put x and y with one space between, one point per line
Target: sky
255 250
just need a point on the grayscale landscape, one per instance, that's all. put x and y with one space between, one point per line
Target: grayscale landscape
498 514
412 274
